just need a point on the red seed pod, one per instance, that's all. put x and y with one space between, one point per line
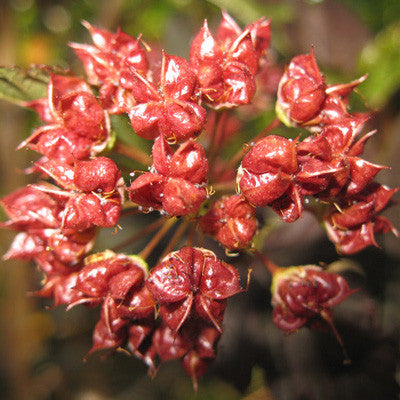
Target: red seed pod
69 247
190 278
83 211
139 344
29 207
226 65
267 170
195 344
38 216
305 295
82 115
99 175
182 197
335 106
272 153
188 162
260 32
25 246
301 91
171 111
177 185
169 344
305 100
61 145
147 190
106 61
316 176
228 31
78 127
126 302
50 265
353 228
105 339
110 274
278 172
127 312
330 164
289 207
231 221
60 288
111 317
137 307
262 189
203 352
93 195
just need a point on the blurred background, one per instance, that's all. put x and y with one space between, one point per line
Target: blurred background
42 350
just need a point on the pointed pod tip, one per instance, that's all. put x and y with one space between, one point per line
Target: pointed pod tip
225 14
86 24
362 78
249 272
195 384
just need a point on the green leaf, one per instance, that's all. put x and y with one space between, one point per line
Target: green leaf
271 224
381 60
122 128
18 85
110 143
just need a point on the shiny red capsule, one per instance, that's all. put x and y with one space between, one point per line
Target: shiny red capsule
176 182
172 109
190 280
231 221
106 61
226 64
305 295
352 228
77 126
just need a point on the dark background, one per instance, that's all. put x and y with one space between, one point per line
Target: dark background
41 350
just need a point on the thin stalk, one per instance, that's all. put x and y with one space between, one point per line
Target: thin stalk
213 117
157 238
192 230
271 267
224 187
216 137
133 152
145 231
174 240
270 127
328 319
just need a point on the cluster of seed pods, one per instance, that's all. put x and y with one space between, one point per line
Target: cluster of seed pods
175 310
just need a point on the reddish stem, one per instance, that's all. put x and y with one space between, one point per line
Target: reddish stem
271 267
133 152
192 231
156 238
224 187
216 137
270 127
148 229
174 240
328 319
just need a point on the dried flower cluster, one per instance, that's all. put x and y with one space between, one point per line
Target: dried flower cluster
175 310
